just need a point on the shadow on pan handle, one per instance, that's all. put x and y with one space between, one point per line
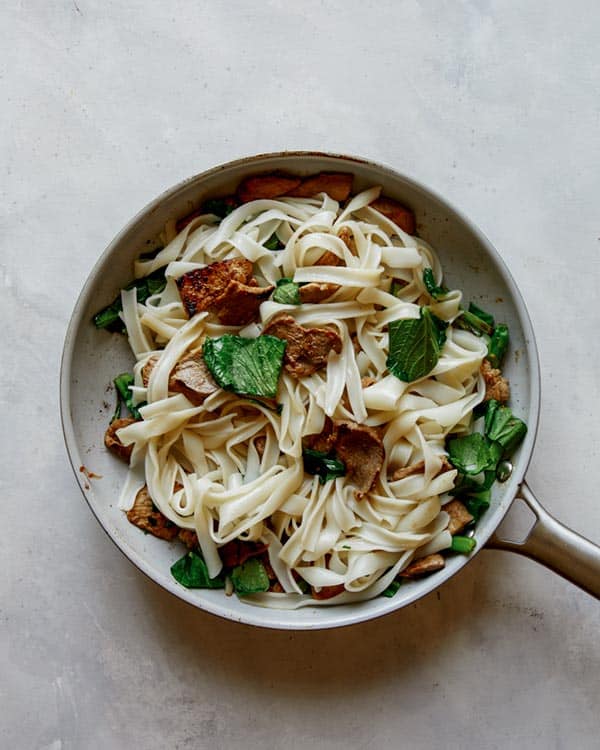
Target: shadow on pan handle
557 547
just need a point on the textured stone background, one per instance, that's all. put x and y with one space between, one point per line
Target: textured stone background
494 104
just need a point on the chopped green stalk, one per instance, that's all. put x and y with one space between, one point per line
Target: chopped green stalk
491 407
191 571
464 545
122 384
324 465
498 345
415 345
470 322
287 292
249 367
392 589
220 207
437 292
117 414
145 287
482 314
273 243
478 503
250 578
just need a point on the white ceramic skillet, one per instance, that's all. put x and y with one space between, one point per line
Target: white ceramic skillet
92 358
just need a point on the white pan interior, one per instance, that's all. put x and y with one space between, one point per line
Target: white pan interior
92 358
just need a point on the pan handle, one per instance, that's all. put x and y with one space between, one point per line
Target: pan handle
557 547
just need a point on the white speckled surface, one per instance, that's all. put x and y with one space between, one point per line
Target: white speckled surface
495 105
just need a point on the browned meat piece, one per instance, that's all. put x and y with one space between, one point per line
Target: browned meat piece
361 449
323 441
201 288
407 471
239 303
424 566
496 386
112 442
147 517
329 259
188 537
225 288
307 348
367 381
397 213
236 552
337 185
459 516
327 592
419 468
266 186
348 239
190 376
317 291
276 587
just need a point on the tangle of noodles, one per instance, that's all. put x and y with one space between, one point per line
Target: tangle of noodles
201 463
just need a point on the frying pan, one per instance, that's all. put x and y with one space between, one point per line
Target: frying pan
92 358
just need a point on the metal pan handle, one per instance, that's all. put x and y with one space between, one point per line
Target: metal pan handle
557 547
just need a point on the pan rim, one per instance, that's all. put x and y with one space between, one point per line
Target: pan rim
329 617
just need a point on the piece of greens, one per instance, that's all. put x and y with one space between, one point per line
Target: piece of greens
191 571
145 287
123 383
502 427
250 577
415 345
482 314
287 292
469 321
392 589
471 454
220 207
249 367
437 292
464 545
498 344
324 465
274 243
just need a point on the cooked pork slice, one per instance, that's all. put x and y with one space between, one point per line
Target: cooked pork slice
459 516
496 386
396 212
188 537
322 441
361 449
236 552
147 517
424 566
327 592
266 186
112 442
239 303
348 239
307 348
317 291
329 259
190 376
336 184
201 288
225 288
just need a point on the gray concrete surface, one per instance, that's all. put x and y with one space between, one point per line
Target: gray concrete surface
493 103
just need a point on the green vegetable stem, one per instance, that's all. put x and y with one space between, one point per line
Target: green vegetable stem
123 383
145 287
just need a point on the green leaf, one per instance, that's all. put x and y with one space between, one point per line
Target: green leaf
415 345
471 454
437 292
191 571
478 503
123 383
498 344
481 314
273 243
324 465
464 545
250 578
392 589
249 367
287 292
221 207
505 429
